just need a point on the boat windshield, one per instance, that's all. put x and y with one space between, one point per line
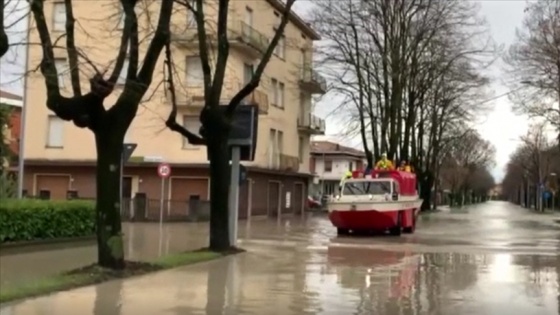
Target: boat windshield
367 188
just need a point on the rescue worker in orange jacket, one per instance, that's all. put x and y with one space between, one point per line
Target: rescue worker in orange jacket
404 167
384 163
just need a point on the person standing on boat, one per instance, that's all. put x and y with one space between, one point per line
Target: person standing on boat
404 167
384 163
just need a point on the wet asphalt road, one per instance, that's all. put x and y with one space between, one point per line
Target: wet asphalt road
491 259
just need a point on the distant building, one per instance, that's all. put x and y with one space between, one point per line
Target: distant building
329 162
15 102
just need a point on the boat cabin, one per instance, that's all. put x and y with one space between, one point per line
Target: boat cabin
380 185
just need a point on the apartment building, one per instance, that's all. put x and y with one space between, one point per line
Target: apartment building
60 157
329 161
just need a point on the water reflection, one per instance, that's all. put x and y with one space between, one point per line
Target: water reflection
108 299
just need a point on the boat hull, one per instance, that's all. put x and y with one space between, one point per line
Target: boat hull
374 216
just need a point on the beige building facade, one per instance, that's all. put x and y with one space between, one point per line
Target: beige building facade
60 157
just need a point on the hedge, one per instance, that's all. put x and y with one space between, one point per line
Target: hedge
29 219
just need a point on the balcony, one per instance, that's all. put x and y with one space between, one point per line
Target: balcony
283 162
193 98
243 37
310 80
311 124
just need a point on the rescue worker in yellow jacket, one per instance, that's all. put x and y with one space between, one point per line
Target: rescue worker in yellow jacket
404 167
347 175
384 163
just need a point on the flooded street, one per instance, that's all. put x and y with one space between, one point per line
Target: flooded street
488 259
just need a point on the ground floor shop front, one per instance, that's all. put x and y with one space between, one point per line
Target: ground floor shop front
265 192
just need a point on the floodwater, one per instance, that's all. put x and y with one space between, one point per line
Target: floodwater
487 259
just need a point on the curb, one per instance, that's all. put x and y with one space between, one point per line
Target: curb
7 247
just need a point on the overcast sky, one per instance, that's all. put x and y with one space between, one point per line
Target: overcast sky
501 126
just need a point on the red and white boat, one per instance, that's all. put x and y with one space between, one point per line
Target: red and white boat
380 201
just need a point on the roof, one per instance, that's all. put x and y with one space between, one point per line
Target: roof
10 96
332 148
296 19
10 99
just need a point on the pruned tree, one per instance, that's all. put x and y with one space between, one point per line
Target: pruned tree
468 158
89 110
409 72
534 63
216 119
534 160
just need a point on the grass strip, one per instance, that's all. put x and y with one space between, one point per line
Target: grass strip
93 274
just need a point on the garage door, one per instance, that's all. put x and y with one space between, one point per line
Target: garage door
298 198
57 185
184 189
273 198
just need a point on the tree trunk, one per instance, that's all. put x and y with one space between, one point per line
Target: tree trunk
110 253
219 154
426 184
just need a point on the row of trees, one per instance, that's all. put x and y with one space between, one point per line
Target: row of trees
108 121
531 172
534 68
411 76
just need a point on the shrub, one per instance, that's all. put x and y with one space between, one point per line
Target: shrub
28 219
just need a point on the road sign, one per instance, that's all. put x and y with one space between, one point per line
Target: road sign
164 170
128 149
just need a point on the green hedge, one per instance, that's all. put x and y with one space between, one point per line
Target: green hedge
28 219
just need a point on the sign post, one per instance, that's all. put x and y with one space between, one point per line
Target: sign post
242 141
164 170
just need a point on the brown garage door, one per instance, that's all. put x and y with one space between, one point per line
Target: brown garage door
298 198
57 185
184 189
273 198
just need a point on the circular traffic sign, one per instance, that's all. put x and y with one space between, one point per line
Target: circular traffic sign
164 170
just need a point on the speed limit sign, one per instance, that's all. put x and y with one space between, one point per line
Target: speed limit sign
164 170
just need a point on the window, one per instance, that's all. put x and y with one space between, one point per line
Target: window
367 188
247 73
272 155
274 87
351 166
195 76
61 69
124 71
280 49
327 166
55 132
249 16
59 17
122 17
301 150
192 124
280 142
280 100
277 93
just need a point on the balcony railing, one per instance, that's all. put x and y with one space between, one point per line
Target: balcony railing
241 36
193 97
284 162
312 81
251 37
312 124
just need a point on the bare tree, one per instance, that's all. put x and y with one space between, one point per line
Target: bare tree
216 119
534 62
468 159
88 110
531 164
410 74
